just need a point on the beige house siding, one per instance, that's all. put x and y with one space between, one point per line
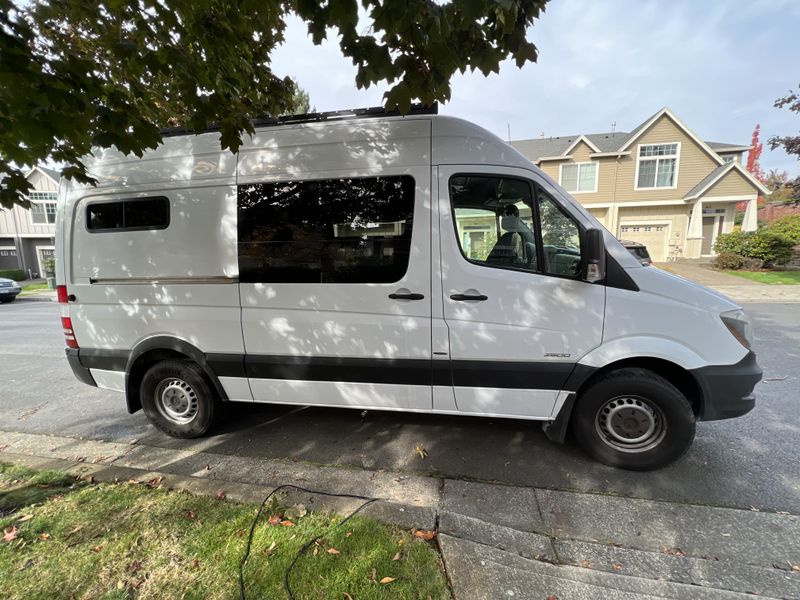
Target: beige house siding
694 163
732 184
605 173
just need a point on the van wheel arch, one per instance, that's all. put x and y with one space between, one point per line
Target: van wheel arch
157 349
679 377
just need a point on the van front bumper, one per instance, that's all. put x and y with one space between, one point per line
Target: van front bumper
728 389
81 372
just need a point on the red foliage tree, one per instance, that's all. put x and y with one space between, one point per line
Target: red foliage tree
754 154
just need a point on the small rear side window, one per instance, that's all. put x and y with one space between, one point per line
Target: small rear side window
132 214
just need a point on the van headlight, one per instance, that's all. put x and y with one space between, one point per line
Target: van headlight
739 326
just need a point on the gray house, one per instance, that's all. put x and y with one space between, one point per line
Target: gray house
27 236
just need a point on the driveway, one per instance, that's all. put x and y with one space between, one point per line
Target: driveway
737 288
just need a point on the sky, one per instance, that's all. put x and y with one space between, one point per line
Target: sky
718 64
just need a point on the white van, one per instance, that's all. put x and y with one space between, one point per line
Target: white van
413 263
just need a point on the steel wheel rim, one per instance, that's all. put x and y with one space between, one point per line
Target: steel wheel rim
631 424
176 401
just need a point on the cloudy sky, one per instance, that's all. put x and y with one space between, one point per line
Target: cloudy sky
718 64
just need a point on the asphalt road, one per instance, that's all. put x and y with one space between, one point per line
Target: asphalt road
746 462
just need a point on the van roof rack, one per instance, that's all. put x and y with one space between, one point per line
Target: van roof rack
334 115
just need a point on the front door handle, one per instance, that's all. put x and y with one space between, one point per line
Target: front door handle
467 297
408 296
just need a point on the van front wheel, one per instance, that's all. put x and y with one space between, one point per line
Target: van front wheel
177 399
634 419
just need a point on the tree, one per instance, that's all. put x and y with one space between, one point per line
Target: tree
756 147
778 183
791 143
76 75
301 104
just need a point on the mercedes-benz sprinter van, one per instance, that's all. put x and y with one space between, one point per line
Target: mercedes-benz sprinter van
413 263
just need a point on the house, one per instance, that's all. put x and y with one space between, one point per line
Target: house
661 184
27 235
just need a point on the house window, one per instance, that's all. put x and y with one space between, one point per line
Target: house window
43 207
726 158
658 166
579 177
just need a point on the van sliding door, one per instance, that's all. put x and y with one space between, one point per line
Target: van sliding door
335 282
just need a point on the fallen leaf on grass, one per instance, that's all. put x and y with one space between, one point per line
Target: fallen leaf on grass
333 551
271 549
24 518
190 514
420 451
97 549
155 481
287 523
316 551
195 564
220 495
134 567
74 531
347 596
44 536
397 556
386 580
616 566
424 535
348 534
274 520
10 534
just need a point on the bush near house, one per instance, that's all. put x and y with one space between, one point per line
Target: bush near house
788 227
15 274
729 261
762 245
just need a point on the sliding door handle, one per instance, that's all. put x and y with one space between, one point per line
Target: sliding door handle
468 297
408 296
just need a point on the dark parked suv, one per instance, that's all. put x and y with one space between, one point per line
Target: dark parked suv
639 251
8 290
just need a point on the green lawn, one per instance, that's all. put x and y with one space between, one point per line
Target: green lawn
73 539
33 287
770 277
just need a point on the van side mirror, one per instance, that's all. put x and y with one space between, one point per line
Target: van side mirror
594 256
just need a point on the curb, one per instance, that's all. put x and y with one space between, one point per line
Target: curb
36 298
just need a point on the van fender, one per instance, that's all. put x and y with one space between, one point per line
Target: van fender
641 346
610 352
169 344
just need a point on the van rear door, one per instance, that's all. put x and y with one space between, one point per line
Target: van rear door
334 266
517 313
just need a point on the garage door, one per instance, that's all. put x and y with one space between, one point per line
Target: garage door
652 236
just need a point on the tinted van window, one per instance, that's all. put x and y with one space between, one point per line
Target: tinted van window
347 230
128 214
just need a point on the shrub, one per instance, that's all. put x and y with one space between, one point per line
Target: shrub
728 260
751 264
15 274
788 227
763 245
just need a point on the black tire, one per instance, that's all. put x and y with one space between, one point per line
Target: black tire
182 379
633 419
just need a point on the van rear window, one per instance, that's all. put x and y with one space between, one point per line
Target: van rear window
346 230
131 214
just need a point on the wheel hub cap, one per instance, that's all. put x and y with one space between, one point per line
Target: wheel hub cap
631 424
176 401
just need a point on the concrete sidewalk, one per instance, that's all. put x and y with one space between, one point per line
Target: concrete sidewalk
737 288
497 541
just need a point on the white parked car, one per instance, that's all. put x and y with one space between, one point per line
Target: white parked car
413 263
9 290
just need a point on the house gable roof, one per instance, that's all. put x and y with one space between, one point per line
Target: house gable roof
637 133
578 140
717 175
49 173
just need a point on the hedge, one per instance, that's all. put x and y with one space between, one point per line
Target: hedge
15 274
788 227
763 245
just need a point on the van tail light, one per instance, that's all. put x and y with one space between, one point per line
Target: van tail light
69 334
61 293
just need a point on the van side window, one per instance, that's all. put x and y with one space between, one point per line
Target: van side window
132 214
346 230
561 239
494 220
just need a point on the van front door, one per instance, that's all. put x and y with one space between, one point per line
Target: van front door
518 315
335 287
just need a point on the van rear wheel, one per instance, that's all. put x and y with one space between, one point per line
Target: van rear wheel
178 399
634 419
